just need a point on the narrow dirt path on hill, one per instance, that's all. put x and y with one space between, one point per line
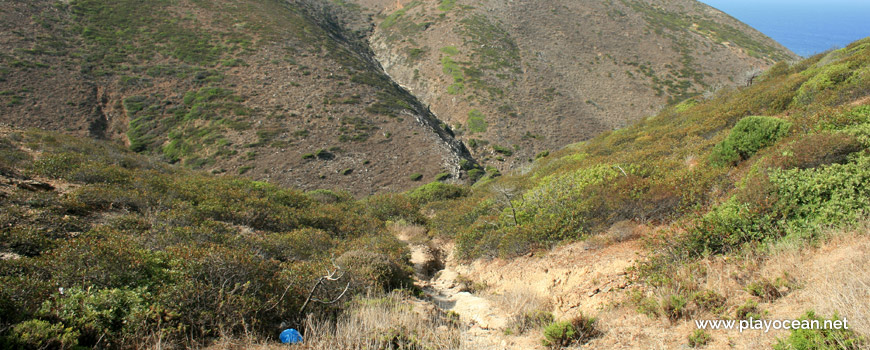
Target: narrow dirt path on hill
439 281
569 280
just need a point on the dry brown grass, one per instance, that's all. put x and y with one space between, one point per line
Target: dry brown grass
411 233
838 280
526 309
619 232
395 321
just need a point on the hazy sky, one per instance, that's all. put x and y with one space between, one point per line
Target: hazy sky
804 26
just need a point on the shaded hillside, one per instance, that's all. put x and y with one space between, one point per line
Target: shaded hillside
517 78
270 89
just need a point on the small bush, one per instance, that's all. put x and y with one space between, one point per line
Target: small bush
40 334
821 339
391 206
764 289
815 150
675 307
531 320
749 135
565 333
503 150
709 300
416 177
373 271
476 122
748 310
475 174
109 317
699 338
436 191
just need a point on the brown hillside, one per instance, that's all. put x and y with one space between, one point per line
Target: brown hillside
529 76
270 89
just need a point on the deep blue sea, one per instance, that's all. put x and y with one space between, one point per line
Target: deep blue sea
804 26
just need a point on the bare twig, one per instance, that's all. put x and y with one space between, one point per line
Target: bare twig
333 275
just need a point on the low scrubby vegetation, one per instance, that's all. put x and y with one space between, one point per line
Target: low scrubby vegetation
576 331
753 165
737 174
127 251
821 339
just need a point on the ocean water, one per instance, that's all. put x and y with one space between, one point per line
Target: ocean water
806 27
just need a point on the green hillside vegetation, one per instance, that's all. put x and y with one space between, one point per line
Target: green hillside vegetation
750 167
124 246
128 251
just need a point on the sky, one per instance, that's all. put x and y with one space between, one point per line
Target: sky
804 26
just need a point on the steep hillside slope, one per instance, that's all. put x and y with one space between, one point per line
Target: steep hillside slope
743 157
519 77
731 195
266 88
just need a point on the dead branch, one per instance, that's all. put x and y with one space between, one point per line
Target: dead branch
333 275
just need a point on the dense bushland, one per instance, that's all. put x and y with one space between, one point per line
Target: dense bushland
126 250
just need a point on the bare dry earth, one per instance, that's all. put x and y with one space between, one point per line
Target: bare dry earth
589 279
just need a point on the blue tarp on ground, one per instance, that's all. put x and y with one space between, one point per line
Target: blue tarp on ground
290 336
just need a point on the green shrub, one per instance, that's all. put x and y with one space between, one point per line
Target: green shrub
373 271
564 333
675 307
814 150
559 334
297 245
699 338
821 339
764 289
330 197
709 300
503 150
416 177
442 176
436 191
531 320
475 174
391 206
748 310
446 5
749 135
40 334
109 317
476 122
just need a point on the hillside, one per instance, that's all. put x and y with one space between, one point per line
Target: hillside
273 90
748 203
515 78
105 248
751 202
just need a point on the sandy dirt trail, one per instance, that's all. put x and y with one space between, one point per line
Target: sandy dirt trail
571 279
